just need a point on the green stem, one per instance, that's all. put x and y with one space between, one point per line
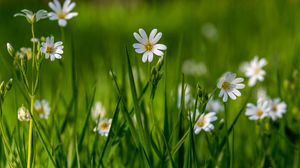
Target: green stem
227 135
30 132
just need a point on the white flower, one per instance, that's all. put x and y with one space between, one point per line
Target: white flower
210 31
25 53
214 105
188 99
277 109
148 46
229 86
62 13
98 111
52 50
33 17
204 122
259 111
23 114
42 108
254 71
103 126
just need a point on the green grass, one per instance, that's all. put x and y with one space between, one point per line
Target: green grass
99 64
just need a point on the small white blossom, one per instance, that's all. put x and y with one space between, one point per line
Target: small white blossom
277 109
25 53
33 17
254 71
259 111
98 111
52 50
42 108
204 122
62 13
23 114
229 86
103 127
214 105
210 31
148 46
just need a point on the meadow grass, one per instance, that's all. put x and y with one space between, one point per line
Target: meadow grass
150 126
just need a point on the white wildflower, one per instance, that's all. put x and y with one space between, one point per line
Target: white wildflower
254 71
258 111
204 122
52 50
229 86
148 46
42 108
277 109
33 17
103 126
62 13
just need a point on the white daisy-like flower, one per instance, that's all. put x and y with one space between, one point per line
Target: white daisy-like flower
98 111
214 105
204 122
259 111
23 114
52 50
277 109
103 126
62 13
254 71
229 86
33 17
148 46
42 108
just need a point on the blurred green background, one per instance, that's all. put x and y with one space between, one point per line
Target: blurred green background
221 34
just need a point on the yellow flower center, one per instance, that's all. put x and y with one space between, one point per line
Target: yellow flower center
40 110
61 15
148 46
274 108
259 112
257 70
104 126
226 85
201 122
50 50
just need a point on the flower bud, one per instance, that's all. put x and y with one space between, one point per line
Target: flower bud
23 114
10 49
2 88
9 84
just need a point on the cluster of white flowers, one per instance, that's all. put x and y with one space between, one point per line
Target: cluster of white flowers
266 108
103 124
42 108
23 114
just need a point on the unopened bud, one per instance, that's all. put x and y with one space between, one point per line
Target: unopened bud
9 84
10 49
160 63
2 88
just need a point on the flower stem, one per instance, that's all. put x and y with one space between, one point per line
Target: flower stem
30 133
